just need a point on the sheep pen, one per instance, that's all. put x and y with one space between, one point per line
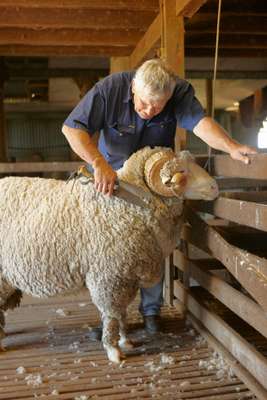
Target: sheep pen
57 238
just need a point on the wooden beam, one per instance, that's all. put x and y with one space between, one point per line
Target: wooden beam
2 114
46 51
229 23
23 72
244 352
148 45
248 269
25 167
172 50
229 52
207 40
241 372
243 212
224 165
68 37
118 64
168 280
42 18
150 42
188 8
236 301
130 5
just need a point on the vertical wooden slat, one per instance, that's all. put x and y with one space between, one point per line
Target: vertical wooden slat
2 113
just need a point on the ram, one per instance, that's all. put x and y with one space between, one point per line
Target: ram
56 238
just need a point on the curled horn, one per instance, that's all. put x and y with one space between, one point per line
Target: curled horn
153 177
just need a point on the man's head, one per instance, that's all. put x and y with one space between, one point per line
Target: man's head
152 87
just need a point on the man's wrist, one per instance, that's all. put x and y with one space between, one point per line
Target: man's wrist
97 161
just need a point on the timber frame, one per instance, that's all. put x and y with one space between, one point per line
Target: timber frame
239 251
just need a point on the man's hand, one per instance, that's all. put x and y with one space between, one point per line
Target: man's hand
104 175
240 152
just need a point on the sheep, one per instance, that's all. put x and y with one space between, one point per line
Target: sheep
56 238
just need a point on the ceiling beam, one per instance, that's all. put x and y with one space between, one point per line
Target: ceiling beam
65 18
203 40
223 52
147 46
252 25
68 37
50 51
149 43
188 8
130 5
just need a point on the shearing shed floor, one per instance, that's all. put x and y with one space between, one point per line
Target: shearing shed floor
49 354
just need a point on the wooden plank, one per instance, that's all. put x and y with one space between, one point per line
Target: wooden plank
236 301
188 8
239 211
55 166
69 37
172 50
118 64
244 352
42 51
239 183
248 269
148 45
133 5
224 165
2 114
60 18
168 280
240 371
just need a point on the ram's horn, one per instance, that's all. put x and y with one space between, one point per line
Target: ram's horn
153 179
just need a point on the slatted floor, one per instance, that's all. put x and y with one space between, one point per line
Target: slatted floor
49 354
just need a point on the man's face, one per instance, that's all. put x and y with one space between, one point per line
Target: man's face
148 108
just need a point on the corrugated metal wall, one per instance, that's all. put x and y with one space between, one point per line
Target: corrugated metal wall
34 135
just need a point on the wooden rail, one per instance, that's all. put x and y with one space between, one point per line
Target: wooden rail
224 254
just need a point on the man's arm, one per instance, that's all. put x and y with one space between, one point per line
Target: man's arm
82 144
215 136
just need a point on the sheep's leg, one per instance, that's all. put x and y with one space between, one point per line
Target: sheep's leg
110 338
9 299
124 342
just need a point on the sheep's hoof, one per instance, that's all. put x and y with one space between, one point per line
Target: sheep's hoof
125 343
114 354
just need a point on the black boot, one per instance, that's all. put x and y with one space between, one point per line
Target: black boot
152 324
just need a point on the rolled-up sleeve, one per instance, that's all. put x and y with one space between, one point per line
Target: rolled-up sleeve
188 110
88 115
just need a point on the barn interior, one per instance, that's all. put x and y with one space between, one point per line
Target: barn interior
213 344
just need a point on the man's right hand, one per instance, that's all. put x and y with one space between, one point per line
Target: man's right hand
104 175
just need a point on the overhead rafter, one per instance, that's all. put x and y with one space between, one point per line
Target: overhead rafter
151 40
44 18
130 5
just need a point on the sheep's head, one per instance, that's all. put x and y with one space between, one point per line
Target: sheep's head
178 175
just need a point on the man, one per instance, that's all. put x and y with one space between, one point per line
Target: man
132 110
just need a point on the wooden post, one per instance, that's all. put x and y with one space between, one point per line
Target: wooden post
172 50
2 112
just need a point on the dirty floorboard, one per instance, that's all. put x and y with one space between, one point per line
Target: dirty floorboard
49 354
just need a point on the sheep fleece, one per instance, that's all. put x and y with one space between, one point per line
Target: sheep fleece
55 237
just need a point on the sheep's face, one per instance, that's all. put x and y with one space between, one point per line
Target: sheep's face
170 175
200 185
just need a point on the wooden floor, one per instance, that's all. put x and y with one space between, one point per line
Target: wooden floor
49 354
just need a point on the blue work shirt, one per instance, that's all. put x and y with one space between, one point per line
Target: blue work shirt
108 108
